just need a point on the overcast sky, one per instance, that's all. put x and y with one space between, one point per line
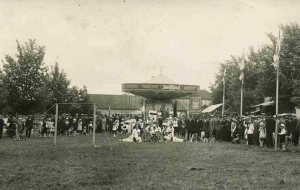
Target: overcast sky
102 44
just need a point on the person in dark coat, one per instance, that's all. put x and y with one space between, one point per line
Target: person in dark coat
188 128
28 126
270 129
198 126
12 126
294 131
256 132
110 123
1 126
220 130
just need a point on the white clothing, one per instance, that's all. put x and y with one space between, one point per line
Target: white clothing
130 139
79 127
159 114
250 129
153 115
175 139
282 132
135 133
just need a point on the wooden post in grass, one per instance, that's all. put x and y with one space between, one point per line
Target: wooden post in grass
94 126
56 120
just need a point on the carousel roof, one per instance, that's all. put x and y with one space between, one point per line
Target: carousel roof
160 88
161 79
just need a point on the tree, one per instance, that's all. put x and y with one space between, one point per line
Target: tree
260 74
25 78
59 85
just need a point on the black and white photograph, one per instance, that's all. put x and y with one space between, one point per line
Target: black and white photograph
149 94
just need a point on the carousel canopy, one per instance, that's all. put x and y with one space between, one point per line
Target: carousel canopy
160 88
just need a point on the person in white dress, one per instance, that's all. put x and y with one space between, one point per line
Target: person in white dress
262 133
134 137
169 135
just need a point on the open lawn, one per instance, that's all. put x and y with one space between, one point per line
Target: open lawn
75 164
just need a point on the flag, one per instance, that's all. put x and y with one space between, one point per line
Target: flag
242 63
241 76
277 50
242 66
224 75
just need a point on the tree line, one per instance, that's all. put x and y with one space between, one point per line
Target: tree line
28 86
260 74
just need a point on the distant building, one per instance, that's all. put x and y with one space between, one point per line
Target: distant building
130 104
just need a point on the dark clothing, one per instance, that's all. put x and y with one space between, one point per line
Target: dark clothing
288 127
188 128
28 126
250 138
44 128
295 132
11 129
227 131
198 126
270 128
256 133
99 126
241 130
110 125
1 128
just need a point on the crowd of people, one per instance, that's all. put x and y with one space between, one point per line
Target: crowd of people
255 130
13 127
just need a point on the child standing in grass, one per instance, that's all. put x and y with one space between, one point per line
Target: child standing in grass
281 134
79 127
90 126
262 133
115 127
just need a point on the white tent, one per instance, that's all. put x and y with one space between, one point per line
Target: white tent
211 108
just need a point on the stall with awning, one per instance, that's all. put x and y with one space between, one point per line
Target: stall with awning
211 108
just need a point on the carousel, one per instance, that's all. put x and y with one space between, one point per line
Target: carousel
160 93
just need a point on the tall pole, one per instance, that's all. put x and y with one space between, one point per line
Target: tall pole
277 90
276 63
223 106
241 114
94 126
56 119
144 109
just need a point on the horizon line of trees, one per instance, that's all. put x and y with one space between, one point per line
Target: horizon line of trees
27 86
260 74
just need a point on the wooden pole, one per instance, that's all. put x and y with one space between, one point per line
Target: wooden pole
94 126
277 92
56 120
241 111
223 106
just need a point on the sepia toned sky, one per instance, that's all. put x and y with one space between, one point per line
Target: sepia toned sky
104 43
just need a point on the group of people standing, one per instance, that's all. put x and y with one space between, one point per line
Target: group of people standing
259 130
14 127
255 130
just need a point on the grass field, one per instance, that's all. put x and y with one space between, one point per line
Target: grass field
75 164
